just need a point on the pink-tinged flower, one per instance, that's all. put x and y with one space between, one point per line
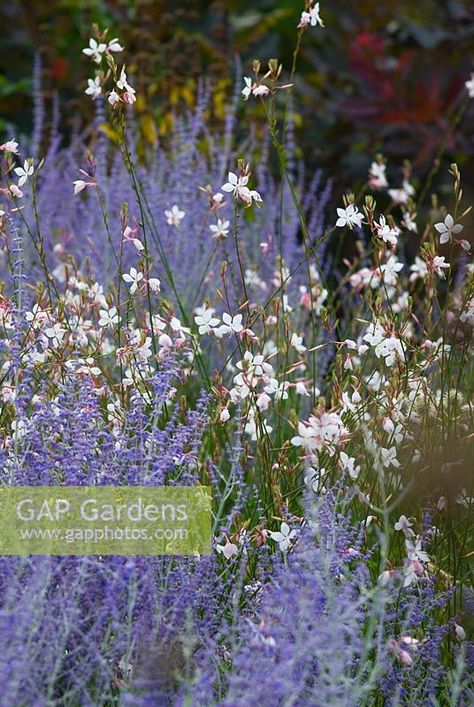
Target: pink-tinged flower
95 50
349 216
94 89
217 201
154 284
228 550
174 216
80 184
261 90
256 89
114 45
311 18
225 415
133 278
24 172
15 191
470 86
400 653
129 237
384 578
377 176
439 265
448 229
129 96
10 146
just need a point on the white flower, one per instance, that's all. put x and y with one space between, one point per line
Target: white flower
174 216
10 146
409 222
133 278
94 88
95 50
24 172
386 233
467 316
348 464
305 438
237 186
448 229
419 269
314 480
205 319
284 537
109 317
389 457
349 216
301 389
414 550
220 229
390 270
247 90
401 196
37 316
470 86
154 284
122 82
315 19
458 630
405 526
113 98
255 196
55 334
297 343
231 324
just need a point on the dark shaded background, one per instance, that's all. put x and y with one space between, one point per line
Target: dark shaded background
380 77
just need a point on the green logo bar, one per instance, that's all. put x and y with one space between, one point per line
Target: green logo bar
105 520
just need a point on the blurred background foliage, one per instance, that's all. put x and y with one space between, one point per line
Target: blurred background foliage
380 77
